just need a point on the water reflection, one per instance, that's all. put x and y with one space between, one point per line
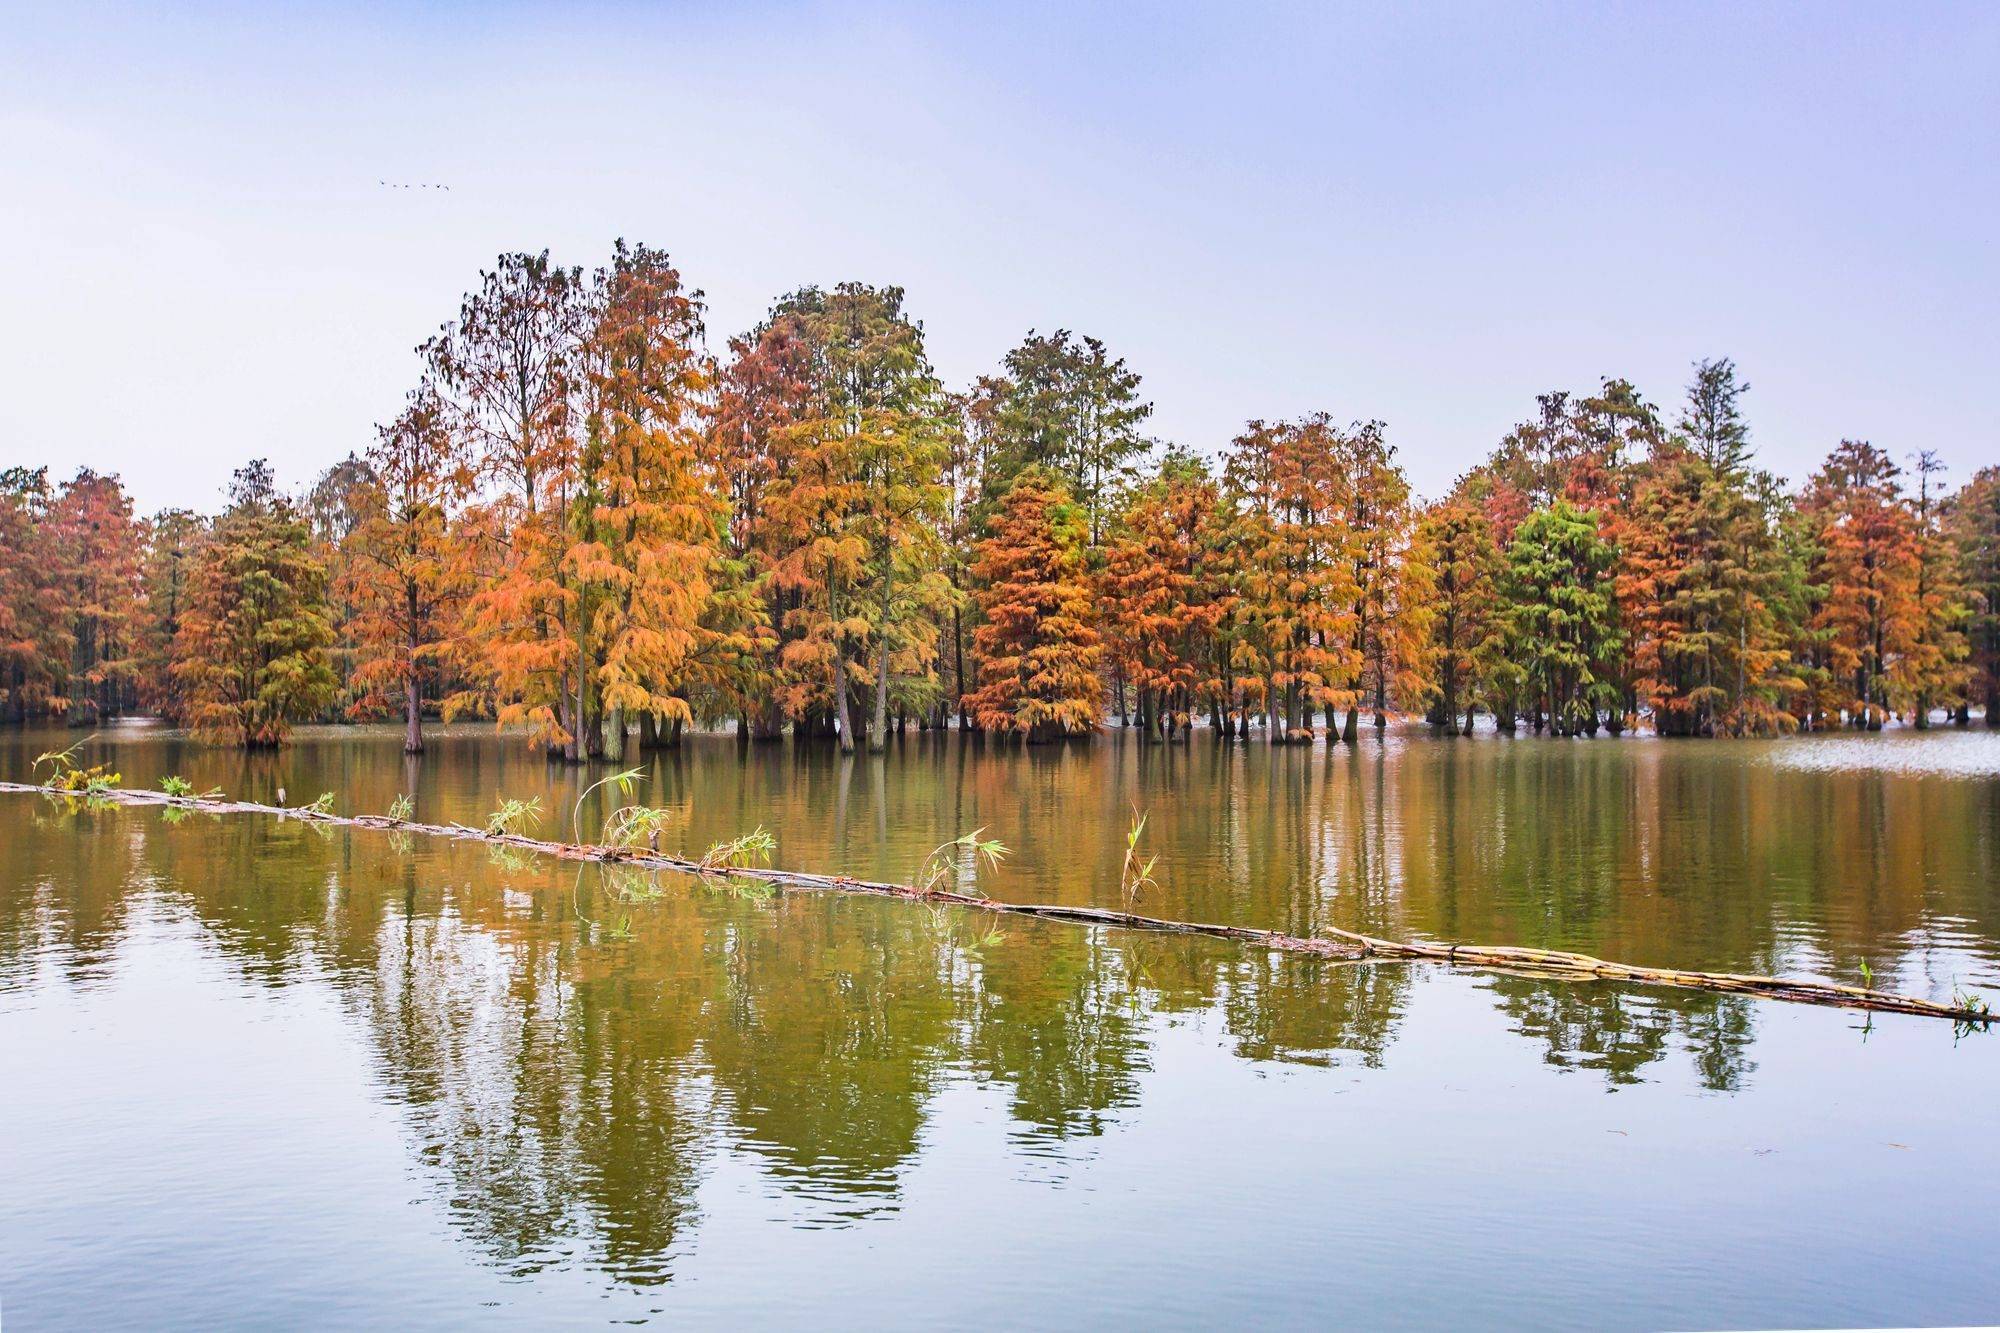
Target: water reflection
567 1093
572 1067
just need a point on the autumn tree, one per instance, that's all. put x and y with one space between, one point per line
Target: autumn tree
765 391
972 440
94 548
334 508
35 634
1868 561
1455 542
1299 599
1159 612
1702 578
1039 650
402 570
173 540
508 368
648 529
252 649
855 509
1388 615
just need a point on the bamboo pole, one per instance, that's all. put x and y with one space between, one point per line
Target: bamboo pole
1335 943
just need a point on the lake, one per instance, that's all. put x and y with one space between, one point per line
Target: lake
260 1071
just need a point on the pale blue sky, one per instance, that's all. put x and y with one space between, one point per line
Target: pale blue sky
1426 218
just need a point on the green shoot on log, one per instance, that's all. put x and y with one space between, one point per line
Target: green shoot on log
178 787
66 775
514 816
1134 875
624 782
753 848
636 826
403 807
942 863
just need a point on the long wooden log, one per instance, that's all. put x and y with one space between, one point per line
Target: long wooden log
1335 943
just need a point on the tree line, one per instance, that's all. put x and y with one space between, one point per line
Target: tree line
585 522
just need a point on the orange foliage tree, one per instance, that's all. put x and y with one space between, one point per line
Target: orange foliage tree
35 638
509 368
1299 600
1454 545
1159 609
1867 564
402 571
1039 650
646 535
96 548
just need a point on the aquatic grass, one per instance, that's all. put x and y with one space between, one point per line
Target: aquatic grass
66 775
402 808
514 816
321 804
624 781
752 848
1135 876
636 826
943 862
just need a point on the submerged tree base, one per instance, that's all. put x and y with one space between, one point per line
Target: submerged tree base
1336 943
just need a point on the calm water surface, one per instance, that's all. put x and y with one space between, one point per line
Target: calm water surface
259 1072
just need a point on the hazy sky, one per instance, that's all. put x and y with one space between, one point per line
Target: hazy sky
1426 218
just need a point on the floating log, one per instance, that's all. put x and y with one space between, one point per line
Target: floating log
1335 943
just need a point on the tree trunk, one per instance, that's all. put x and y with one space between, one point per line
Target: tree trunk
413 714
958 665
878 729
843 720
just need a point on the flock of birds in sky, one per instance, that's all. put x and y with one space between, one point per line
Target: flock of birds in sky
393 185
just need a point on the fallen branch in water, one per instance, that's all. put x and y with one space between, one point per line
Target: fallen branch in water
1335 943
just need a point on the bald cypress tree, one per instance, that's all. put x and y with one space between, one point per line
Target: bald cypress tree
1039 649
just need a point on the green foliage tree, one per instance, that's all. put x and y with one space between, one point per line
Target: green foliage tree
251 655
1562 617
